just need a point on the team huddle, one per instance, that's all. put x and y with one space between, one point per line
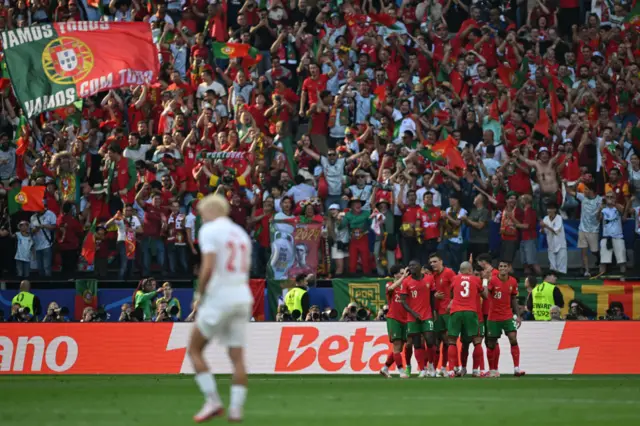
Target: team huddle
432 309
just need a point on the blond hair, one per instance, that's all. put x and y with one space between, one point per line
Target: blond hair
214 202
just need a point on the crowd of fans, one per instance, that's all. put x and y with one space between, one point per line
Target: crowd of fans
349 94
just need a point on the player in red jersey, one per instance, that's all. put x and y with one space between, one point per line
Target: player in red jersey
442 277
466 288
417 297
396 321
503 316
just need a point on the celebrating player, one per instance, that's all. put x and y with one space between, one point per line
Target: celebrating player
463 319
225 303
416 296
503 316
396 322
442 277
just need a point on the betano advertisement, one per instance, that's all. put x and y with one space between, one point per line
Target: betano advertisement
276 348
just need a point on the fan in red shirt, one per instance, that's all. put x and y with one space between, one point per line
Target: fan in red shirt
442 277
503 291
69 236
416 296
463 319
396 321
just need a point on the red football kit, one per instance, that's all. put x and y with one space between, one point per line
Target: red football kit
396 310
419 296
466 290
443 284
500 293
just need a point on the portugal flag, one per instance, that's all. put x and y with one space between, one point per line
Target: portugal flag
232 50
27 198
53 65
86 295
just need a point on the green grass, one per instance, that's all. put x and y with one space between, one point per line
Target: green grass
324 400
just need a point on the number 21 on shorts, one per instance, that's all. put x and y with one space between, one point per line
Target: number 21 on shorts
236 250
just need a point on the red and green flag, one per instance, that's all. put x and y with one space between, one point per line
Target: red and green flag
88 251
27 198
230 50
54 65
86 296
556 105
521 76
448 149
543 124
633 18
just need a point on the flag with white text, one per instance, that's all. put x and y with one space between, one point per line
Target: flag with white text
54 65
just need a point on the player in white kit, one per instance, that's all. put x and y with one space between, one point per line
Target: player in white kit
225 304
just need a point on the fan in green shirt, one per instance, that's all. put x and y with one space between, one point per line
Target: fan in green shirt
144 295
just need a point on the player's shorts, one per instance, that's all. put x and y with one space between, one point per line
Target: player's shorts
396 330
419 326
495 328
441 323
228 325
482 330
463 323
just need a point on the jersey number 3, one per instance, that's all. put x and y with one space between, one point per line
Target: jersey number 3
236 250
465 289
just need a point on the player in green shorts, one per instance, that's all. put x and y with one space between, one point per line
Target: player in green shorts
463 320
503 316
396 322
417 298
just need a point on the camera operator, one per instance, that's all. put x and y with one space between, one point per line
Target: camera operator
616 312
578 311
353 313
129 315
283 314
382 313
171 301
55 313
94 315
20 314
164 313
314 314
26 299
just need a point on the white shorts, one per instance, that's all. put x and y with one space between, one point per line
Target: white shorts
228 325
619 249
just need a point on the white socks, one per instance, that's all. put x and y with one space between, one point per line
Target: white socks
207 384
238 396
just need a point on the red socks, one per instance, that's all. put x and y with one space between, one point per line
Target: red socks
445 352
398 359
515 354
464 355
496 356
478 357
452 351
420 357
432 356
408 352
389 359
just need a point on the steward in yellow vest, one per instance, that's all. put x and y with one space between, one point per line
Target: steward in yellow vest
544 296
297 298
26 299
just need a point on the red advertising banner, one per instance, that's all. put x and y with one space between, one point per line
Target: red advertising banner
304 348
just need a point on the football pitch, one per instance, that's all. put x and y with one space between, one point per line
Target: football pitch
324 400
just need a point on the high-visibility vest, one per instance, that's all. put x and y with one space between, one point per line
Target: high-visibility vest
293 300
543 301
25 300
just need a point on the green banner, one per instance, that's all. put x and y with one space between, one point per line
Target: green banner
367 292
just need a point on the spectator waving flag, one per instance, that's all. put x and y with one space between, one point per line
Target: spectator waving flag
27 198
54 65
448 149
88 252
